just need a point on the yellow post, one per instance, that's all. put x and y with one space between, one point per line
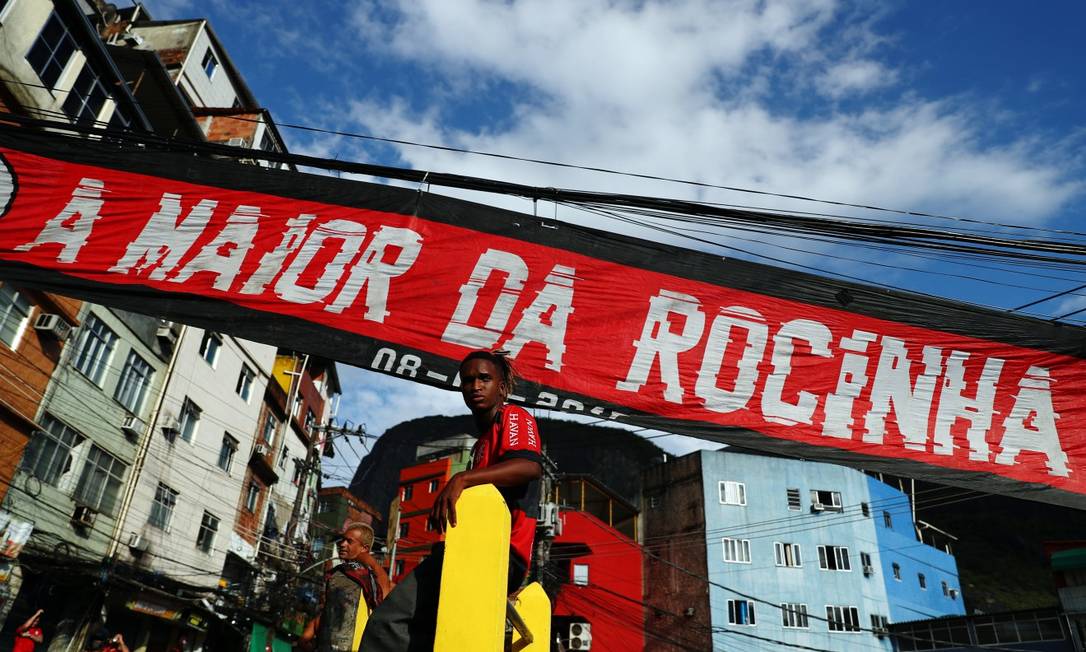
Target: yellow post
534 608
474 577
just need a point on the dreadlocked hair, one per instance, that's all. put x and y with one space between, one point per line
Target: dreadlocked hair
502 361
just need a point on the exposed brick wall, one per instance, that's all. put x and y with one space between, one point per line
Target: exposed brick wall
225 127
674 518
26 372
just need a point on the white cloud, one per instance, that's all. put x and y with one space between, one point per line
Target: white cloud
665 88
853 77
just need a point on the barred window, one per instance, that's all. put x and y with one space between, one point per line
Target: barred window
100 483
135 379
49 452
205 538
794 615
736 550
14 311
162 508
93 349
51 50
842 618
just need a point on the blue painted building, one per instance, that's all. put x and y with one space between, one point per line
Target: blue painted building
798 552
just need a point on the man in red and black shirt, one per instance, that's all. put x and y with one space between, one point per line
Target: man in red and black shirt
508 455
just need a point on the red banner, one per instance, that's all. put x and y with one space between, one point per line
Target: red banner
406 283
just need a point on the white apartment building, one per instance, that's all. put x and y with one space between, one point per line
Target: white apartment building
195 475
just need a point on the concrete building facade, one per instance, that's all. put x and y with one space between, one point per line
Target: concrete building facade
799 552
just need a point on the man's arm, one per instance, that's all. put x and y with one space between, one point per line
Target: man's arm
30 621
507 473
379 573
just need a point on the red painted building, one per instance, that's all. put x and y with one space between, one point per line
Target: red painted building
601 569
420 484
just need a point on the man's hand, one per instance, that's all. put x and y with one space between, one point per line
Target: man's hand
444 510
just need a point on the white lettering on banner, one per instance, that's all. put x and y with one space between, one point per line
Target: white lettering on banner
746 376
1033 406
272 262
1030 425
953 405
850 384
458 331
774 408
166 238
553 305
374 274
224 255
911 402
72 226
658 341
349 237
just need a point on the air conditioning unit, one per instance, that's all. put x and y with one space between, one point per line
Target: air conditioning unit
53 325
261 450
818 507
132 426
171 427
580 636
137 544
236 142
868 570
166 334
83 516
880 632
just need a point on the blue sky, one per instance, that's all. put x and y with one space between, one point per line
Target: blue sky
960 108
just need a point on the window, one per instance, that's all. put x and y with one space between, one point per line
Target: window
95 345
135 379
209 347
210 64
794 615
879 623
245 383
324 505
433 486
100 481
923 581
251 497
267 433
119 120
190 419
296 477
829 501
736 550
310 419
49 453
162 508
205 538
399 567
896 568
788 554
866 563
865 509
267 143
887 520
404 529
793 500
843 619
226 452
408 491
14 311
946 588
733 493
580 574
283 457
86 97
51 51
833 558
740 612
